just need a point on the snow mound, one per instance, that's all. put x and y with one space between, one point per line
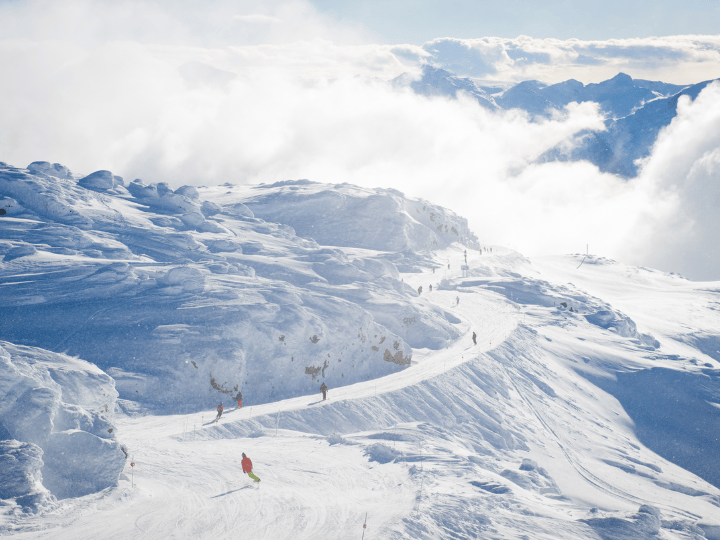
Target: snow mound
162 197
55 415
49 169
644 524
382 453
101 181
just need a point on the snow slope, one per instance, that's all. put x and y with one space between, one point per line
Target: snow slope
587 409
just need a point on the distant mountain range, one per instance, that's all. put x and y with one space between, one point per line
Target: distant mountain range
635 111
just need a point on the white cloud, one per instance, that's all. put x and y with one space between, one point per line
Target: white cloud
683 173
674 59
257 18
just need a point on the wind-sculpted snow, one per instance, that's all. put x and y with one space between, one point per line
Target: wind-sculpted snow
55 418
186 301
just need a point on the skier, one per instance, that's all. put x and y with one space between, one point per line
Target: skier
219 410
323 389
474 339
430 288
457 300
247 467
420 289
238 398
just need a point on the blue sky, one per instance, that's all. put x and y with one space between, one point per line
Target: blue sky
418 21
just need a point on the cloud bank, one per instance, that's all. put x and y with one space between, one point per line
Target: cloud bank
213 92
673 59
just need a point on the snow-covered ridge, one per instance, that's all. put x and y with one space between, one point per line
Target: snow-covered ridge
382 219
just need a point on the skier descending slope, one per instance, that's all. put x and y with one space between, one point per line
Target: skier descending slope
323 389
247 467
219 410
238 398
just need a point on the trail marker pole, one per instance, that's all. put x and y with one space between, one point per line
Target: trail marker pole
335 418
194 426
364 526
277 422
132 474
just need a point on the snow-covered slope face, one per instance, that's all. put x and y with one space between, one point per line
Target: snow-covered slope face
56 432
187 301
382 219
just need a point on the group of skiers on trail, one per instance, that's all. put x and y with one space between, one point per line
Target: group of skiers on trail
220 409
246 463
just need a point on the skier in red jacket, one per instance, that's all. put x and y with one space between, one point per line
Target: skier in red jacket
247 467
